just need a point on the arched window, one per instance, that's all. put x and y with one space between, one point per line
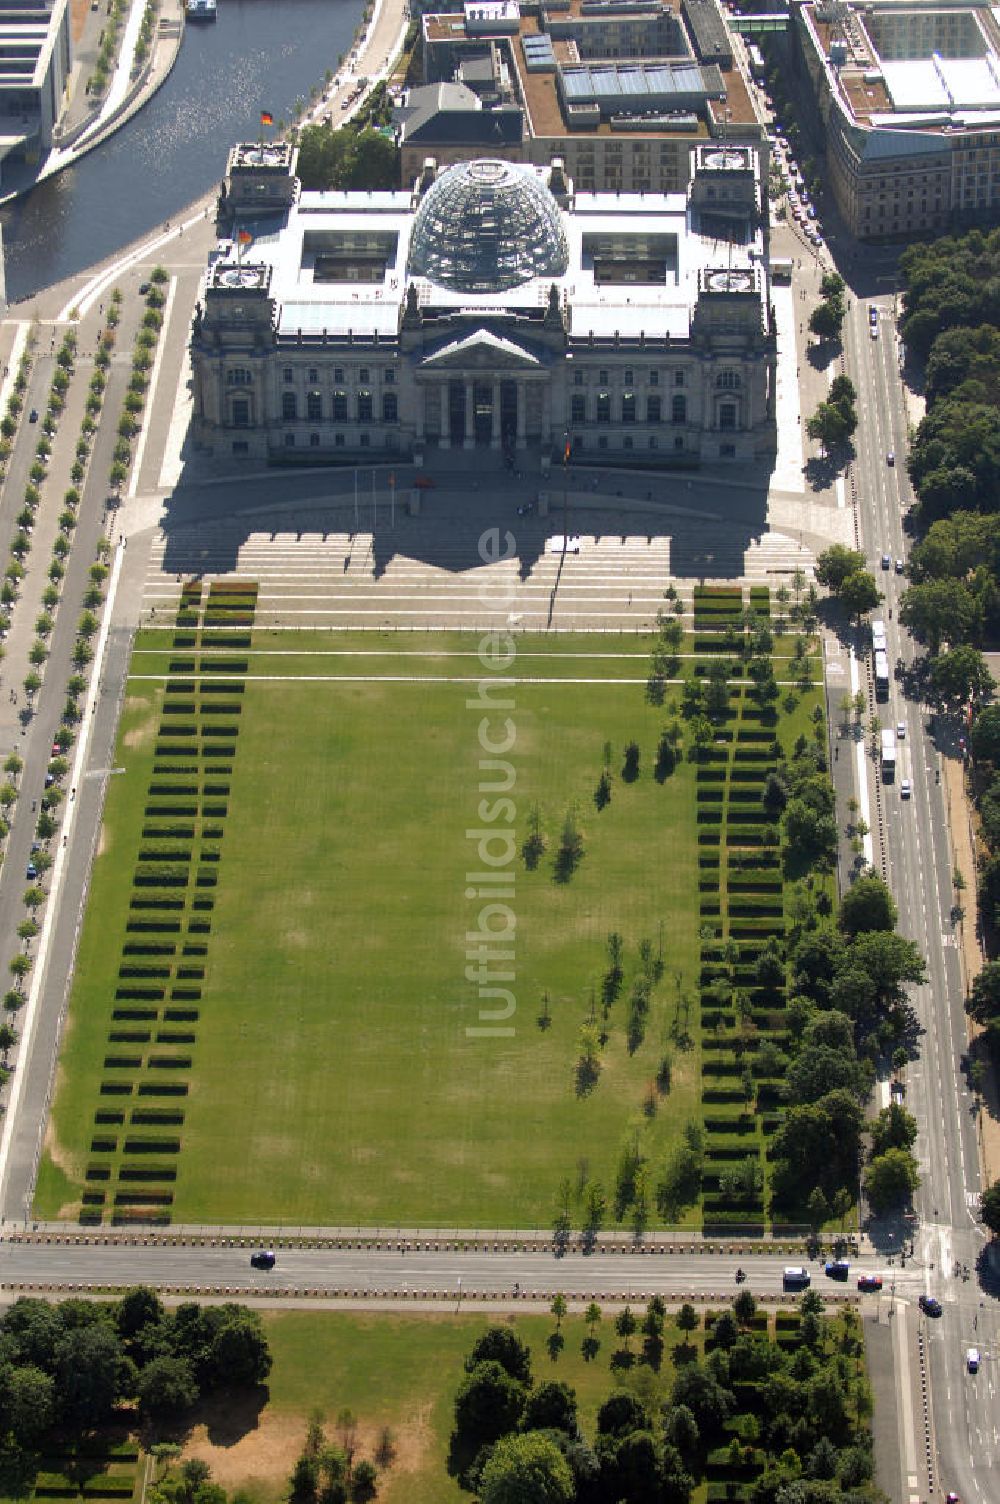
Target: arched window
238 376
314 406
728 381
678 411
390 407
289 407
727 416
652 409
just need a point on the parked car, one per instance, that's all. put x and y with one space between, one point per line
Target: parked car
837 1269
263 1258
872 314
899 566
930 1305
143 289
869 1282
873 330
31 871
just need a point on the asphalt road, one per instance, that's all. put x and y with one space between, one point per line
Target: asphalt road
915 835
326 1270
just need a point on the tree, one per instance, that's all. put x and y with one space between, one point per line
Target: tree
239 1353
167 1387
558 1308
827 318
88 1368
867 905
725 1331
891 1179
894 1128
709 1402
983 1002
989 1207
625 1325
27 1400
688 1319
830 426
940 611
488 1404
836 563
550 1407
859 593
499 1344
817 1208
986 734
744 1308
961 675
364 1481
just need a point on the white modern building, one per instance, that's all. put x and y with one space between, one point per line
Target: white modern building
492 306
35 60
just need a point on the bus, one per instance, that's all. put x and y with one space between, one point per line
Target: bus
879 644
781 269
881 674
888 756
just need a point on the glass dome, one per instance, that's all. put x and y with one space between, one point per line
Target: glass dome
487 226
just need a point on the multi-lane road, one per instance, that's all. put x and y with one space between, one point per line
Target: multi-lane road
912 835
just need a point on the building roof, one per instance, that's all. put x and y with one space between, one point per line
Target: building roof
453 115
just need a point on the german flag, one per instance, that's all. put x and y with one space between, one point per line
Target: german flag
266 118
568 450
244 237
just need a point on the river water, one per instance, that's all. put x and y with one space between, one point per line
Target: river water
259 55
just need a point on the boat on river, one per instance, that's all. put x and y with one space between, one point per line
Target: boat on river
201 10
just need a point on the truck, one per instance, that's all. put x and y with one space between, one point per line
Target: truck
881 674
888 756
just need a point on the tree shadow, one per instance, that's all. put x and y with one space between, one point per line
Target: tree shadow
532 851
231 1416
683 1352
554 1343
587 1075
567 860
622 1360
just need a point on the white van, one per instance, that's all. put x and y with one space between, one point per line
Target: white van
796 1278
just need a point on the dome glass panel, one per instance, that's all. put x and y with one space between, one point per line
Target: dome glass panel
486 227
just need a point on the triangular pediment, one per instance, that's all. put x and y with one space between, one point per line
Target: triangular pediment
483 348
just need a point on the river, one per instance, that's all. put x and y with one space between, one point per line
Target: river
259 55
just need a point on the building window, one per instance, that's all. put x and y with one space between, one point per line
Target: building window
338 441
628 407
287 375
240 376
652 409
602 377
314 407
654 378
727 451
727 417
340 407
389 376
289 407
678 411
390 407
578 410
363 374
364 407
602 442
678 378
240 446
314 441
313 375
365 440
627 442
628 376
241 413
578 378
728 381
653 441
338 373
289 441
678 442
604 407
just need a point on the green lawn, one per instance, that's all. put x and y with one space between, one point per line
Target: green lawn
332 1077
402 1372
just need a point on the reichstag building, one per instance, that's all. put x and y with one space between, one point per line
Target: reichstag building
491 307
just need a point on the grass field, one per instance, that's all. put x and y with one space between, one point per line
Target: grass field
399 1371
331 1078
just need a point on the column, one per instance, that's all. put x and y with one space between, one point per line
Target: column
470 415
522 414
495 417
420 398
547 416
445 420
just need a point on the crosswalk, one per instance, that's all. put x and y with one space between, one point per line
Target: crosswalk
313 578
